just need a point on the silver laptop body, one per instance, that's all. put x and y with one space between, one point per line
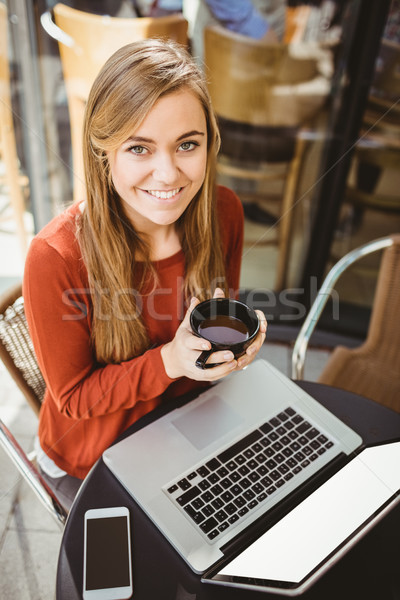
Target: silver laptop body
164 465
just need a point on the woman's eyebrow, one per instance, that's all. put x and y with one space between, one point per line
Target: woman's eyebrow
139 139
190 134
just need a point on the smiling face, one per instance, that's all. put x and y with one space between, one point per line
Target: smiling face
161 167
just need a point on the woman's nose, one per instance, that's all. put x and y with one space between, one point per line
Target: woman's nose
165 169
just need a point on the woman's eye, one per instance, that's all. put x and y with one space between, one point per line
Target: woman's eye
137 150
188 146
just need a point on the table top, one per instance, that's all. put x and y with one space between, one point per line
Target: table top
369 570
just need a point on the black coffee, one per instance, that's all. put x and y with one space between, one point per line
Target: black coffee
223 329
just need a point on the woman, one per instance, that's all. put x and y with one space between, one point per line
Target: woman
108 282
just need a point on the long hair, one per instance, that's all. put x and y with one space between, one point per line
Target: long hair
124 92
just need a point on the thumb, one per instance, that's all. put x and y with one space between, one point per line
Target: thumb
219 293
193 302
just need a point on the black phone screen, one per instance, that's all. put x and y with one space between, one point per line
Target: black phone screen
107 553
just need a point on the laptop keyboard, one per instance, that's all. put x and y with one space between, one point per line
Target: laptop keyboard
228 486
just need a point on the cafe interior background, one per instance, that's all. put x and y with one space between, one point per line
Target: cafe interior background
341 127
343 196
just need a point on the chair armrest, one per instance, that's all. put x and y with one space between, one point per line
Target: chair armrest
303 338
31 475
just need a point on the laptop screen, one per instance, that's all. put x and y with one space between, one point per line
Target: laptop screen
312 534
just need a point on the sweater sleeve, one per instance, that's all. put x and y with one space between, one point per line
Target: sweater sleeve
57 306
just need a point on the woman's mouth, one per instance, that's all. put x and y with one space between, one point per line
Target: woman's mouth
164 194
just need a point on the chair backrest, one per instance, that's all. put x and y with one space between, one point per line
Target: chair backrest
97 37
16 348
373 369
93 39
7 136
255 83
324 293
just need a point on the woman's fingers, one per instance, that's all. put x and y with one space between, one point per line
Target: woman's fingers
186 320
262 320
216 372
255 347
221 356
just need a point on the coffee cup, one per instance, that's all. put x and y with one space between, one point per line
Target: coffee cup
227 324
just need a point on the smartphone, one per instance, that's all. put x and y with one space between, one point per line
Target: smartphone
107 565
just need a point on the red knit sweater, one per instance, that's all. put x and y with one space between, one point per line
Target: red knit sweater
86 405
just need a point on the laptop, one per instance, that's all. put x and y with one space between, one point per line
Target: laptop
295 551
216 475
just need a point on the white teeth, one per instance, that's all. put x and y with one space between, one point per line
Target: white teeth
164 195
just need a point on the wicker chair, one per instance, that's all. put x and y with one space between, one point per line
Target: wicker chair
17 354
373 369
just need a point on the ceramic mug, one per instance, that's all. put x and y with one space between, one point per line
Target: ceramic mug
227 324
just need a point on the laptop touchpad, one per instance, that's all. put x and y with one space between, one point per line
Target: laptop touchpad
207 422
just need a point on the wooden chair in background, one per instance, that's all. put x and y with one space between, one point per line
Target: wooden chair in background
16 183
85 42
263 100
372 369
18 356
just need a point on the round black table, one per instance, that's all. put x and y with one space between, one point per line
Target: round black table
370 570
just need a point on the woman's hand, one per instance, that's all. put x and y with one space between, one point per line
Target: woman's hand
179 355
255 346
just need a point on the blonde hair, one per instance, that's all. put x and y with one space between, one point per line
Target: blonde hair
124 92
